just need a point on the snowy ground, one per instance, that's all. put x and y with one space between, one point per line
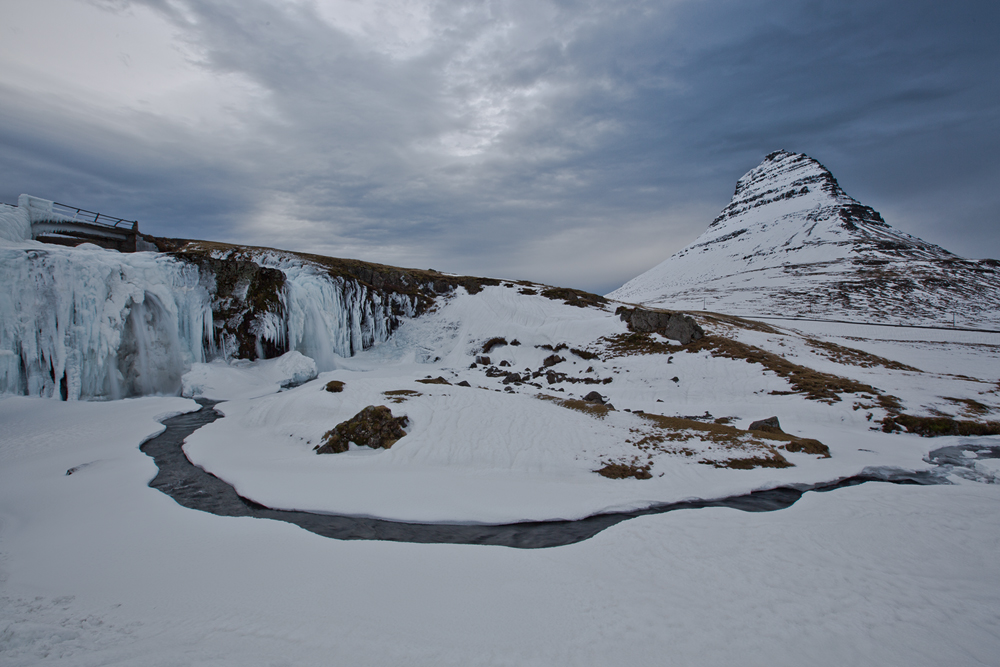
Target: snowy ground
96 568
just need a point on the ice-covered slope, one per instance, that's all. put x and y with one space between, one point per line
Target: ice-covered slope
792 242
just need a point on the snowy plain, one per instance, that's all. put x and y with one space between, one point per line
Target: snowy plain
98 569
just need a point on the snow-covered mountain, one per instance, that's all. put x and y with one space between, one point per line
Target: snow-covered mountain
793 243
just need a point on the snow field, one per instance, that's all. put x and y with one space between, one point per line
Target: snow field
98 569
483 454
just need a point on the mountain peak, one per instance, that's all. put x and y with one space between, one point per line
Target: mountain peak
792 242
785 177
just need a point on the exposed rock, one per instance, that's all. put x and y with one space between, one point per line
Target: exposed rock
552 360
437 380
492 343
485 361
504 364
594 397
373 427
463 383
675 326
334 386
769 425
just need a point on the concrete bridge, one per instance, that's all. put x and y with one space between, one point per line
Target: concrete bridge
52 222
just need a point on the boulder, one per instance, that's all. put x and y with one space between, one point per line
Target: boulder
675 326
373 427
769 425
594 397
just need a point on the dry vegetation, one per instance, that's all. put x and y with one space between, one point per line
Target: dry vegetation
852 357
593 409
813 384
400 395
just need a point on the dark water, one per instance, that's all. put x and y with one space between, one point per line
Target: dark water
192 487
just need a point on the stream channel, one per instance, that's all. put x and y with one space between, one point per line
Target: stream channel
193 487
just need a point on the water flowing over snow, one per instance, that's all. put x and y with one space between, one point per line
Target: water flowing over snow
86 322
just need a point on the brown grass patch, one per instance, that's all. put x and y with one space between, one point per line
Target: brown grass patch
334 386
400 395
776 460
971 407
737 322
852 357
593 409
930 427
624 471
815 385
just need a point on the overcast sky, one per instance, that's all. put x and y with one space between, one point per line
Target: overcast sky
572 143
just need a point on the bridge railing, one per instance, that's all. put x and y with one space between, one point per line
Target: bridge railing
93 217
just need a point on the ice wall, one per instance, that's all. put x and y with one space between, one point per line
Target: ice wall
87 322
15 223
91 323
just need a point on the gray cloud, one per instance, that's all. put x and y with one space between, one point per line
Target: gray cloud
571 142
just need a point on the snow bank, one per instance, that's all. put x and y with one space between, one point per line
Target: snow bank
240 378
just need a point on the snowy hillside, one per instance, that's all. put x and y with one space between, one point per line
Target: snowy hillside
793 243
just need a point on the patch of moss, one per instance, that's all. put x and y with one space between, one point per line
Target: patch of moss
930 427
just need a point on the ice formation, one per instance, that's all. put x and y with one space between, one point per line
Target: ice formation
86 322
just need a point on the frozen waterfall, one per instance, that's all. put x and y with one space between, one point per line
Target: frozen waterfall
92 323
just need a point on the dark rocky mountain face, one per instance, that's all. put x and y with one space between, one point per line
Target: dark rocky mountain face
791 242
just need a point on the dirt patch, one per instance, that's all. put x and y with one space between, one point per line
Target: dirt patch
334 386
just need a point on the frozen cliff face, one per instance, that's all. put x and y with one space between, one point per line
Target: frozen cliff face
791 242
86 322
15 224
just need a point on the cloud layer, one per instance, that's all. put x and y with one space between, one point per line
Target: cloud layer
575 143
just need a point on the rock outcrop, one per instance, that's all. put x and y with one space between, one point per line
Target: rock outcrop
675 326
373 427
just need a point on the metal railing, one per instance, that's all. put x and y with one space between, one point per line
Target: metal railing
92 217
